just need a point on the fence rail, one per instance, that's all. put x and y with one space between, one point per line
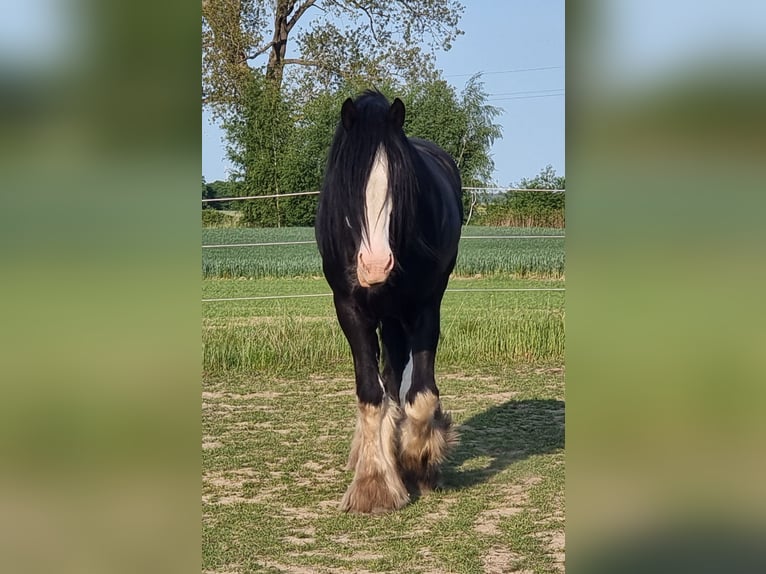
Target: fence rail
274 243
300 193
311 295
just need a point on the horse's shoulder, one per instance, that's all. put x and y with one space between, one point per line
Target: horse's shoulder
438 157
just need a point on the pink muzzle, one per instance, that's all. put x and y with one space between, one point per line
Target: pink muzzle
373 268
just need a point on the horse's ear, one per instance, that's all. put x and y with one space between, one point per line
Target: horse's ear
396 113
348 114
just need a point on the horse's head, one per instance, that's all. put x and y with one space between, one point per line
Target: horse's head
375 258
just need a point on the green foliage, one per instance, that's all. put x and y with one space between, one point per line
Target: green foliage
206 191
462 125
546 179
344 41
216 218
282 146
279 123
259 139
528 208
218 189
303 169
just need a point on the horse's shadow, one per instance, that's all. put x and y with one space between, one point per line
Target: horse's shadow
496 438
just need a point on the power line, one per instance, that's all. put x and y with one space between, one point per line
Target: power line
525 97
525 92
506 71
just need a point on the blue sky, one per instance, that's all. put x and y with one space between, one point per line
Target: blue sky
502 37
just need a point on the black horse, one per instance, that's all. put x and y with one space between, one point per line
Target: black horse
388 227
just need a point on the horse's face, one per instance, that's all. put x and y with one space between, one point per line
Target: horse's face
375 259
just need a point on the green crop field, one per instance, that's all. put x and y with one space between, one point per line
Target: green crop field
521 257
278 412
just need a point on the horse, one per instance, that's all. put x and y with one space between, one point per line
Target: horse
387 227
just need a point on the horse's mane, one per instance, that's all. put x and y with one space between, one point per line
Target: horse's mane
350 161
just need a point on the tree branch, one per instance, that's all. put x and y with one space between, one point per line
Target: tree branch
298 13
303 62
263 50
369 17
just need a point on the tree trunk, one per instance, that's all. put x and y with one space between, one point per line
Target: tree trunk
276 65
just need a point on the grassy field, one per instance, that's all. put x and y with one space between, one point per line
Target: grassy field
519 257
278 412
302 335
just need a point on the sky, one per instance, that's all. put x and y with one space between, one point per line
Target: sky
519 46
655 40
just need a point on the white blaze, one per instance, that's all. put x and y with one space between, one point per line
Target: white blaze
406 380
378 212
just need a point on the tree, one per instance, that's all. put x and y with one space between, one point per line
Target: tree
336 41
340 44
462 125
259 137
217 189
294 160
207 193
546 179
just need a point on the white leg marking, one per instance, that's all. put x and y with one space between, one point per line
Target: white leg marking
377 486
406 381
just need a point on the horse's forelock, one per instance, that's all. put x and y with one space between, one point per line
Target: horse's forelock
350 162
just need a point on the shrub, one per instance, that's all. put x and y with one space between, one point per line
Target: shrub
215 218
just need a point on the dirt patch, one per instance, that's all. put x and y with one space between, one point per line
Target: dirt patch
500 560
209 444
298 541
207 395
556 547
513 502
288 568
489 521
550 371
554 542
225 488
441 512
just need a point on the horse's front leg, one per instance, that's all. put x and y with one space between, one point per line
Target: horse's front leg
427 434
377 485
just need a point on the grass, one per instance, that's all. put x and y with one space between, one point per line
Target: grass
302 335
278 412
519 257
273 456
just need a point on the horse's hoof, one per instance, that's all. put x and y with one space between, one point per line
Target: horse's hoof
373 494
427 436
